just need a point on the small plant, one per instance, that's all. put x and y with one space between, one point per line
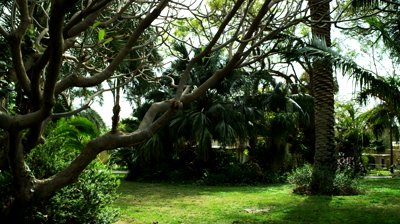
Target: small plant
301 178
344 183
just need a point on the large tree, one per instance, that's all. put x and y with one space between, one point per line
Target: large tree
322 83
52 48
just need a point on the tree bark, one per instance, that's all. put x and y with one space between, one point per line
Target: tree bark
323 90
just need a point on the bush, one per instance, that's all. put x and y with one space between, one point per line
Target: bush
301 178
234 173
344 183
87 200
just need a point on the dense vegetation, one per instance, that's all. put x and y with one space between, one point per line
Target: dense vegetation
87 200
223 92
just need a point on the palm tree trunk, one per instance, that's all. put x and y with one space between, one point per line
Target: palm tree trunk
391 146
323 91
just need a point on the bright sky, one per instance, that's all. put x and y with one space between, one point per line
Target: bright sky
106 112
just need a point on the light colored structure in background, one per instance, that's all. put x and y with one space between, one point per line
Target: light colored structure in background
382 160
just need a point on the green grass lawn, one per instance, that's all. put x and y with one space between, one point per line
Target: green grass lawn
170 203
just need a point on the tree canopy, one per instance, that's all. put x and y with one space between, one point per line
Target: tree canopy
219 56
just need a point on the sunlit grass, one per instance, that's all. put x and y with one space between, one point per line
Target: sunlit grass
169 203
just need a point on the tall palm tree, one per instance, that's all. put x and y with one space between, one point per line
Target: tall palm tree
322 83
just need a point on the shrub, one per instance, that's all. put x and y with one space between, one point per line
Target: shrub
87 200
343 184
234 173
301 178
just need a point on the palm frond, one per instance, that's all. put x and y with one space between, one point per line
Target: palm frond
216 108
389 32
152 148
226 133
376 85
292 103
84 126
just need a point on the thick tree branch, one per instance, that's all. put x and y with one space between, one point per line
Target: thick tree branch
78 18
82 26
231 65
55 50
185 75
22 178
152 112
18 63
45 188
15 40
5 121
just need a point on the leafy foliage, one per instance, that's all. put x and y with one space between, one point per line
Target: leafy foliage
301 178
87 200
343 184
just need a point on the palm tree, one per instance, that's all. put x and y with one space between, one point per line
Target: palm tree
322 83
381 118
352 135
323 89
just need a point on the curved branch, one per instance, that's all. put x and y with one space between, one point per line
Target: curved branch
78 18
152 112
70 113
231 65
185 75
75 81
45 188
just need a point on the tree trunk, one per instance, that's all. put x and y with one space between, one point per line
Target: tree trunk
391 146
22 180
323 90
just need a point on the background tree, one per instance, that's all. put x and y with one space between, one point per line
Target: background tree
380 119
352 136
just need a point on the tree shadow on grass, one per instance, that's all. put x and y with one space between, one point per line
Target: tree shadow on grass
379 204
342 209
171 190
289 213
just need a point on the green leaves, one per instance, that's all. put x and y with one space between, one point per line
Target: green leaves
101 34
74 132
